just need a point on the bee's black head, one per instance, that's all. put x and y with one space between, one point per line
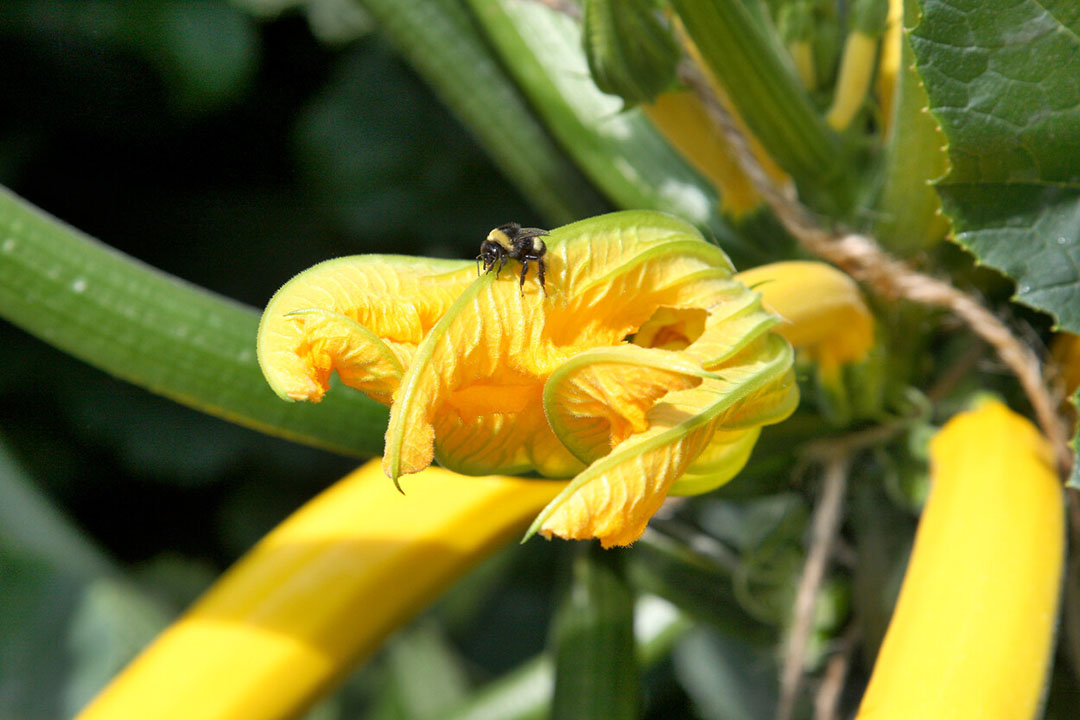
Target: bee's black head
490 252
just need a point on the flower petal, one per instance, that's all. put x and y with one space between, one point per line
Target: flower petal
824 312
334 342
359 315
614 497
600 397
470 346
495 347
511 442
718 463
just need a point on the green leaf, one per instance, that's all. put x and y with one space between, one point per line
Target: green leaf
883 535
1002 80
158 332
699 584
1029 232
525 693
31 526
440 41
425 675
726 679
111 623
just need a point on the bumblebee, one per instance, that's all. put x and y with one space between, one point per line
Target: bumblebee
513 242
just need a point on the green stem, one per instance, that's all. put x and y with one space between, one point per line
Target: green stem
620 150
158 332
526 692
747 61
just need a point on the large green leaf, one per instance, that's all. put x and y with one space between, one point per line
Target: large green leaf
1001 76
158 332
1031 233
1002 80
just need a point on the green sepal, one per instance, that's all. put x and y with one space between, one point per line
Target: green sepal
909 210
631 53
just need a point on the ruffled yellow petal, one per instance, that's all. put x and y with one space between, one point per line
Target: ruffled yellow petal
614 497
601 397
332 342
823 312
361 316
514 442
466 366
486 361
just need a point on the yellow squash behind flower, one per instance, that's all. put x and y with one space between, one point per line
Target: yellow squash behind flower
643 355
972 634
317 595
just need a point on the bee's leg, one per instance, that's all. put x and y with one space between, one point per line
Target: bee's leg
540 274
502 262
524 269
477 266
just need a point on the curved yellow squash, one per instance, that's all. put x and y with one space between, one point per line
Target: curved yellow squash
973 631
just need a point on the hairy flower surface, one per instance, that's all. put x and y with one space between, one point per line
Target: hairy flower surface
645 369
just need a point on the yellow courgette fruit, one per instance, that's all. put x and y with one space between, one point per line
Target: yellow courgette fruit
318 594
973 630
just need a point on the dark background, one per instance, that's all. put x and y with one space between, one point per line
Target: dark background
233 171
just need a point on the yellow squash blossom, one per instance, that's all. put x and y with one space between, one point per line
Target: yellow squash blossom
823 312
972 634
642 361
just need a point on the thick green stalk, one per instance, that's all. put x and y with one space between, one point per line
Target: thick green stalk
158 332
596 673
525 693
909 209
748 62
440 41
621 151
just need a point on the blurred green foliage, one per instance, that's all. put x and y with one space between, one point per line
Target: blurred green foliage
234 144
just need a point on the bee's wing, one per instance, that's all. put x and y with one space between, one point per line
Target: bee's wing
532 232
